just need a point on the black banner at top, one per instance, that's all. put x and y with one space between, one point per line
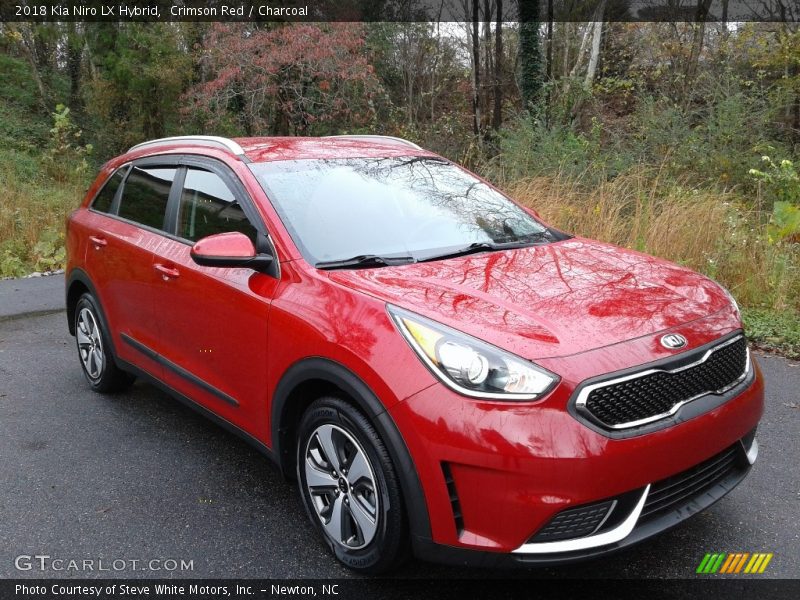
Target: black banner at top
398 10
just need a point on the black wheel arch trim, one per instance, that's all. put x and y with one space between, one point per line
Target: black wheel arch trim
309 369
331 372
78 275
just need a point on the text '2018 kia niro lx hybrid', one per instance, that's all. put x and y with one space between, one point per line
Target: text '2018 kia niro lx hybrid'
443 373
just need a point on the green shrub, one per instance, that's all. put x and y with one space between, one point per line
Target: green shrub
65 156
32 213
529 148
49 253
778 331
780 181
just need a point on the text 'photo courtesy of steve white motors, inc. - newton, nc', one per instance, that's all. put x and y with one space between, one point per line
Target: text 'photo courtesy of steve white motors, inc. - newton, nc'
125 11
177 590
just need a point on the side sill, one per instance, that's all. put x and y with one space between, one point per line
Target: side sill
180 371
188 402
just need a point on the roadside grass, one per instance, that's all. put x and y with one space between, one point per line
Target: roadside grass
675 210
33 209
712 232
34 202
773 331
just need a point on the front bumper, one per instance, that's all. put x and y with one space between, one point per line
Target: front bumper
495 474
658 506
633 529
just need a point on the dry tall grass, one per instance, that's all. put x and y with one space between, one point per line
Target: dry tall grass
25 215
708 231
33 209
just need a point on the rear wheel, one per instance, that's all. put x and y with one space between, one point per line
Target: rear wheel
94 349
349 487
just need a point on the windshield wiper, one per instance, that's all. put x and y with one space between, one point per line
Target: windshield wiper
476 247
365 260
471 249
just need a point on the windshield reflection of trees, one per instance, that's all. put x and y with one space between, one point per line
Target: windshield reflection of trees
419 194
445 186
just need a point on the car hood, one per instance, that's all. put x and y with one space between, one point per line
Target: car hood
549 300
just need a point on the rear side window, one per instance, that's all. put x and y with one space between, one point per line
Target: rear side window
145 195
105 198
208 207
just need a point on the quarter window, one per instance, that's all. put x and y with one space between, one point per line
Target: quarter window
208 207
145 195
105 198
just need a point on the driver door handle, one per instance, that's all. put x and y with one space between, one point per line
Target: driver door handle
99 242
166 272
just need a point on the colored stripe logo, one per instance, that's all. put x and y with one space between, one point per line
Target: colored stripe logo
733 563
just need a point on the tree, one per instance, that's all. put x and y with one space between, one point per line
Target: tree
75 43
139 72
497 116
597 31
476 68
297 79
23 35
419 68
698 36
530 56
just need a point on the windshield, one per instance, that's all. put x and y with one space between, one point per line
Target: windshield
412 208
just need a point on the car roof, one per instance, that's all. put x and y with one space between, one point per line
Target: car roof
267 149
293 148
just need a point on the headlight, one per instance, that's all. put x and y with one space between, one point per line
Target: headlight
470 366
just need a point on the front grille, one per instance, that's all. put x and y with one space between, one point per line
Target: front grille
636 400
575 522
669 493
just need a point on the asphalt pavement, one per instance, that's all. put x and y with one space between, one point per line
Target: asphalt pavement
31 296
137 476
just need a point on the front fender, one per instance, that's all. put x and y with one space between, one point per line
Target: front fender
317 369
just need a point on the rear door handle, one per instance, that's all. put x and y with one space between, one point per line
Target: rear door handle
99 242
166 272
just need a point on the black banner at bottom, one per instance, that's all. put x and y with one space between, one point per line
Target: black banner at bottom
368 589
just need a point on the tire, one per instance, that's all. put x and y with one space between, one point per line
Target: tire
358 490
94 349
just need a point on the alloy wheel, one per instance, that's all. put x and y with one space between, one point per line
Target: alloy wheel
342 487
90 344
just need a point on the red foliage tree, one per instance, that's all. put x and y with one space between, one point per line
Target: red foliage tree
294 79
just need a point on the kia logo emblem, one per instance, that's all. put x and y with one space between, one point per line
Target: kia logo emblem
673 341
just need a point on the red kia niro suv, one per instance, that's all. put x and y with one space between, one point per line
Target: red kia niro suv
441 372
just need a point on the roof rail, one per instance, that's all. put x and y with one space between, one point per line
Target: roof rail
200 140
387 138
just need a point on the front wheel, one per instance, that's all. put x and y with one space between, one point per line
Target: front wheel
349 487
94 349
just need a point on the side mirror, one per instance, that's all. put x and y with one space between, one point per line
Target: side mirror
232 249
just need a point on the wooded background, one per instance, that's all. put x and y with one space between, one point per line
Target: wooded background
676 139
